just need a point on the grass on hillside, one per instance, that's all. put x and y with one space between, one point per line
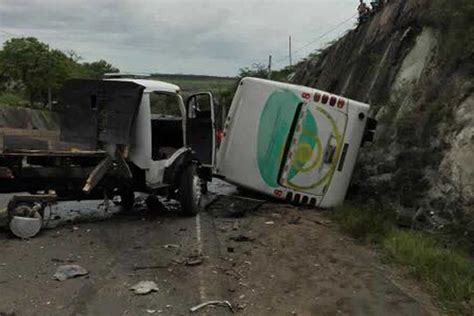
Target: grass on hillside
448 272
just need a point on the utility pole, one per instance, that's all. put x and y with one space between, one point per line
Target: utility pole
270 67
289 50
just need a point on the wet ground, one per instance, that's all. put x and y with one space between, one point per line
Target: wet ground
269 260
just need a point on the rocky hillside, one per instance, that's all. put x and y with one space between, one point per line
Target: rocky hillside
413 61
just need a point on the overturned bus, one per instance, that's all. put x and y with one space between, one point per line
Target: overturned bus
292 142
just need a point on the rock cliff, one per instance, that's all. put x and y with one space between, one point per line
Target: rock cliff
413 61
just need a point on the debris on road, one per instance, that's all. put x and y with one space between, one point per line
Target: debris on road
144 287
215 302
193 261
151 267
295 220
241 238
241 306
326 223
171 246
69 271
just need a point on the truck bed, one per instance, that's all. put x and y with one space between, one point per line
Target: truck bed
28 142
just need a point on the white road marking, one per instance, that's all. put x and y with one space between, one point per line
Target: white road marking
202 288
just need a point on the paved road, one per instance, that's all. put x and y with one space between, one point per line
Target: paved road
277 260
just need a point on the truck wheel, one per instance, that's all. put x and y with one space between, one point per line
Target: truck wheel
190 190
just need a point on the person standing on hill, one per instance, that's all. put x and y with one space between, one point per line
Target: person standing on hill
363 10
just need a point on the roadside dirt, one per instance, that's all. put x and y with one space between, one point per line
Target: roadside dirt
277 260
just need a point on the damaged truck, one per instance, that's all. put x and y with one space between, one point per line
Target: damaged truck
124 135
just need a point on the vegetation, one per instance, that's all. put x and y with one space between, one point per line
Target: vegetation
31 69
194 83
448 271
454 19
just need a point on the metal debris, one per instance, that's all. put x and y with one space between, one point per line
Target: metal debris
69 271
144 287
26 227
194 261
215 302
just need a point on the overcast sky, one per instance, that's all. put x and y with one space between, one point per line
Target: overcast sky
179 36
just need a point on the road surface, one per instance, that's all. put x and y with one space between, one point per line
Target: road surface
275 260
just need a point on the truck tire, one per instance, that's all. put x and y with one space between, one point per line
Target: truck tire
190 190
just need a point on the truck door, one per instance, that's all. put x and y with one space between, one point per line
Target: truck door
201 129
313 149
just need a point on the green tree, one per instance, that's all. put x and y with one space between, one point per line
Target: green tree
97 69
257 70
29 67
26 60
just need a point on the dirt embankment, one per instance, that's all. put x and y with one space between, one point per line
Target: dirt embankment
410 61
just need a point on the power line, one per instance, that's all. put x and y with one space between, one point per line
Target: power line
318 38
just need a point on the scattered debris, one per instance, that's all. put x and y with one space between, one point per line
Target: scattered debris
158 266
171 246
270 223
144 287
326 223
236 274
241 306
216 302
151 311
295 221
69 271
241 238
193 261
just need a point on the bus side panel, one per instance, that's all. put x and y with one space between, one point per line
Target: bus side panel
237 156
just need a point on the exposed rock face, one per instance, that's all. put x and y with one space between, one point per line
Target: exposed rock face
423 155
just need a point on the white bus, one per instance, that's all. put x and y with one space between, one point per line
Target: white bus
292 142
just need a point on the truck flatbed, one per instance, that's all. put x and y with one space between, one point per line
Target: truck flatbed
54 153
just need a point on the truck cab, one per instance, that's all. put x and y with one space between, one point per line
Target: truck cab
147 122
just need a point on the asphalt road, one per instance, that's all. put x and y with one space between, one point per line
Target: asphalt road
277 260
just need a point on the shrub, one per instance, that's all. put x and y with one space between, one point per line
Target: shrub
364 223
449 271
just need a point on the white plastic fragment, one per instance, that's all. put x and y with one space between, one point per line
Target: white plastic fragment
144 287
214 302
